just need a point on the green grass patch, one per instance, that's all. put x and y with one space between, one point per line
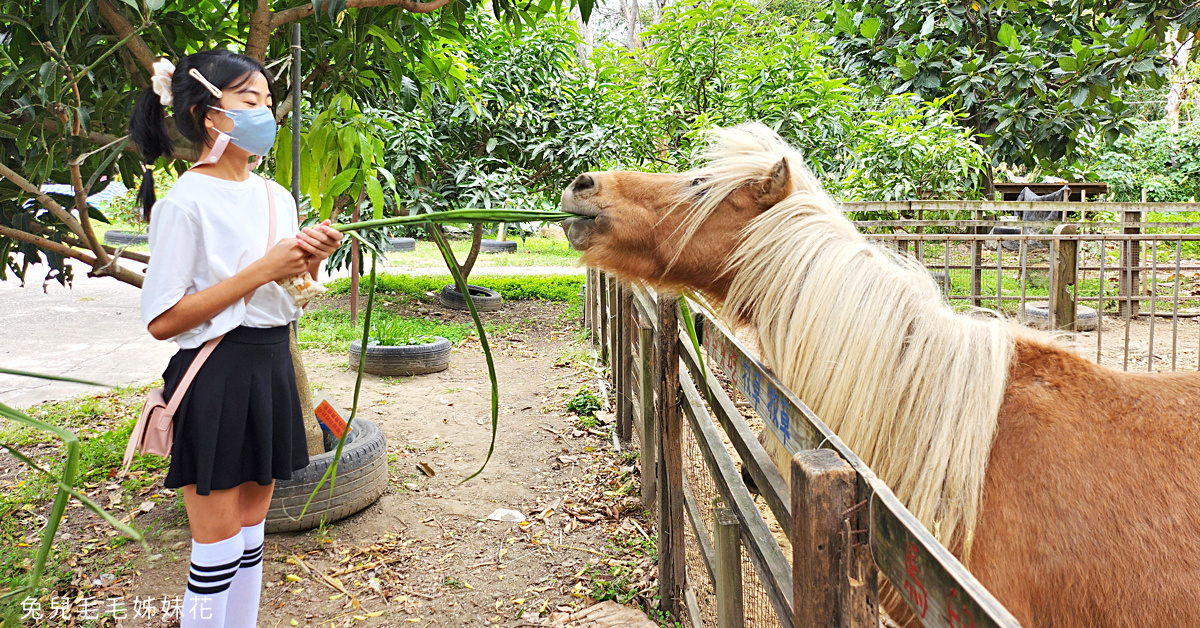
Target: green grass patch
511 287
332 330
532 251
103 422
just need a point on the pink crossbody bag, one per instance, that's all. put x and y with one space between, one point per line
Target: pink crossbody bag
154 431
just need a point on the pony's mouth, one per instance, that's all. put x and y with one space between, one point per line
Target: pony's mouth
579 231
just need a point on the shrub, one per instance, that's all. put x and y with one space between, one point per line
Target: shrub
511 287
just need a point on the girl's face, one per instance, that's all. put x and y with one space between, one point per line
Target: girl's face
253 93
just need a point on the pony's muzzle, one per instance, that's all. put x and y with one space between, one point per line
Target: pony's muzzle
579 231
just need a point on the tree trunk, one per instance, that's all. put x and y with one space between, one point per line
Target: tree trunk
1179 54
584 49
312 427
629 10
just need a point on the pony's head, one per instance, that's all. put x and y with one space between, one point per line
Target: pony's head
681 229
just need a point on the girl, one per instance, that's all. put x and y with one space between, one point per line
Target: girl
239 426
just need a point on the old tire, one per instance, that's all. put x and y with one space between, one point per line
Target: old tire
486 299
403 359
121 238
1038 315
362 477
400 245
496 246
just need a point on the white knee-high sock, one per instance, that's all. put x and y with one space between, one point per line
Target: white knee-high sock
242 611
212 571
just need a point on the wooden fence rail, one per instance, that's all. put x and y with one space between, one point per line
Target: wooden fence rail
843 523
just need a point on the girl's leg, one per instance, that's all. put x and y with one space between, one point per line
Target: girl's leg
254 500
217 548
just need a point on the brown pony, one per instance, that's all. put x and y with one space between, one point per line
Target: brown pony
1070 490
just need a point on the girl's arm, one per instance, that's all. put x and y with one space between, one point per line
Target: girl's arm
285 259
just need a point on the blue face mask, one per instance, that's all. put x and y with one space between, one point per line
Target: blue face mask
253 129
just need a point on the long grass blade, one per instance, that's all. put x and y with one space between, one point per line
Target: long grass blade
60 378
461 283
331 472
460 215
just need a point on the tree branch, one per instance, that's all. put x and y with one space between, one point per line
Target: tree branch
45 200
122 28
295 13
260 31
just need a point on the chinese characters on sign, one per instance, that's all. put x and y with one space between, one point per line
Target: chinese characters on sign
93 608
766 399
912 584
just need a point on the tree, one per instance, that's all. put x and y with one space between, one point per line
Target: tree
70 69
1036 79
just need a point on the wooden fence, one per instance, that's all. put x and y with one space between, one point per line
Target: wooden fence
721 562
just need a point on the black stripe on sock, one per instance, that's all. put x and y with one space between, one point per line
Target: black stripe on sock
218 577
250 562
207 590
229 565
252 552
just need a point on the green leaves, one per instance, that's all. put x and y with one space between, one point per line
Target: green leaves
1007 36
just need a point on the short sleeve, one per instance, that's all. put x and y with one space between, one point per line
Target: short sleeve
175 243
289 213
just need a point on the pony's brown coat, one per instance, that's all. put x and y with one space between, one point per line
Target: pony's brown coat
1089 506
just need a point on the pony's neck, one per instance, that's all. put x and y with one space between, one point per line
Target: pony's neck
866 341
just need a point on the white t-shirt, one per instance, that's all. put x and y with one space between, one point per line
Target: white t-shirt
204 231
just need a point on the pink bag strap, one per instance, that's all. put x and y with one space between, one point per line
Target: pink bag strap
208 347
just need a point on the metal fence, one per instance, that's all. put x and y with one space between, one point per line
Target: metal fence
1129 286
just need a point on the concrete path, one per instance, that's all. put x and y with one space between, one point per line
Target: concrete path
94 331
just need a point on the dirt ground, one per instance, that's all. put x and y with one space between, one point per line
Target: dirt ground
425 554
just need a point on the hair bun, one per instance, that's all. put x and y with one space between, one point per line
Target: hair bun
164 70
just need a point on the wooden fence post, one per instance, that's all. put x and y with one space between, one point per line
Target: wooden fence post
1065 261
649 457
823 551
977 262
672 550
589 297
602 314
727 547
625 366
1129 281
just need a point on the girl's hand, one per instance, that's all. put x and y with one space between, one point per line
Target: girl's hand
320 241
285 259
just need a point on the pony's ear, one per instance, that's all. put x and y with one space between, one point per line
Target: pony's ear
775 187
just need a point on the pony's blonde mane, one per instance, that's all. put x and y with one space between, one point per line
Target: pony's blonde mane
864 338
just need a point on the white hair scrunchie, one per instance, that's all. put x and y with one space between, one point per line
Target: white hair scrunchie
161 81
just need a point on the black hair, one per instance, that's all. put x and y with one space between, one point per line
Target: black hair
190 102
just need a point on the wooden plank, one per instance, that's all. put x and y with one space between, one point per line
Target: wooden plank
602 315
649 456
1062 279
671 556
769 561
795 425
693 609
939 590
646 304
755 460
625 365
727 552
835 583
1129 280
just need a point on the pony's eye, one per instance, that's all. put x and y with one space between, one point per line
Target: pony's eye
698 180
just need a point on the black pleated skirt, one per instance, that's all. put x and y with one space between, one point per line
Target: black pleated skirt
240 420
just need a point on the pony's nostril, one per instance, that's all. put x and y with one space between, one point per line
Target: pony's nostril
583 183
